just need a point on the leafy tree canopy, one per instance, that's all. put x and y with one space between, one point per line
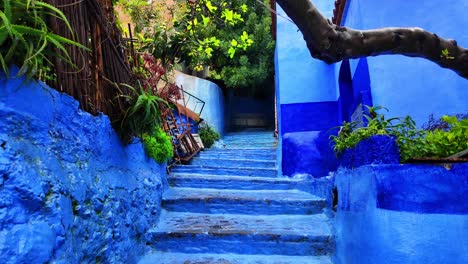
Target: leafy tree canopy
233 38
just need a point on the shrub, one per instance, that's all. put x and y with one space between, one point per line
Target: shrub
208 135
143 113
442 142
158 145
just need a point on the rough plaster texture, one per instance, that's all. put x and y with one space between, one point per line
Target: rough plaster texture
406 85
378 149
402 214
70 192
307 153
210 93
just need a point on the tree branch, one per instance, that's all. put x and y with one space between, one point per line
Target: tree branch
332 43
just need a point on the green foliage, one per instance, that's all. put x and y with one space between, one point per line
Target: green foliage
349 134
144 113
232 38
445 54
242 55
446 143
412 142
26 40
208 135
158 145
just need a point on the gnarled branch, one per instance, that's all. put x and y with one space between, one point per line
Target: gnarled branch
332 43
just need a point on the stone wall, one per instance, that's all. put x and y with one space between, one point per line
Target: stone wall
70 192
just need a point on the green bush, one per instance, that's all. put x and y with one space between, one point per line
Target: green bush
158 145
208 135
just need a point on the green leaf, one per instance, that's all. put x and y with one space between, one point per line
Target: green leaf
57 11
231 52
228 15
210 7
7 9
206 20
234 43
244 8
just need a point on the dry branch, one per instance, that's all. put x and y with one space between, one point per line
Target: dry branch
332 43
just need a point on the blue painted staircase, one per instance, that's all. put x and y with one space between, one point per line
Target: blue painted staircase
229 206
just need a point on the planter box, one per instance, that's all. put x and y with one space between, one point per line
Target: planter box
378 149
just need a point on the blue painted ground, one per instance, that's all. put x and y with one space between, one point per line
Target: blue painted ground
228 206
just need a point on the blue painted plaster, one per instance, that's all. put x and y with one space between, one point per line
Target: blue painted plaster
402 214
307 153
302 117
378 149
303 78
413 86
70 191
211 94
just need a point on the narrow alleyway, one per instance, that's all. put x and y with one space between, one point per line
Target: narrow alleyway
229 206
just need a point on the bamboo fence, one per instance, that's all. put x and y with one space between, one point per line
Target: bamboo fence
96 80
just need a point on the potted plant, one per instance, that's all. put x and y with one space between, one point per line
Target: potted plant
395 140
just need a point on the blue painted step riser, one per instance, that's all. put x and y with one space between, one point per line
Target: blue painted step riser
233 163
320 189
251 146
173 258
215 205
229 184
256 172
243 244
266 157
237 142
248 141
244 151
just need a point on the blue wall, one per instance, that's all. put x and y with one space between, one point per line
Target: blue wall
411 85
306 98
70 192
213 112
402 214
302 78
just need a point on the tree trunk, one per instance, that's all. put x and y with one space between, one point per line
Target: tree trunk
332 43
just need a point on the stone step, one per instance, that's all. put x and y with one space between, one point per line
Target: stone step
293 235
196 258
268 202
213 170
238 155
233 182
257 133
251 145
269 139
240 151
232 163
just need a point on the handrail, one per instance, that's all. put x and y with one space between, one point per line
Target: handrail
199 101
